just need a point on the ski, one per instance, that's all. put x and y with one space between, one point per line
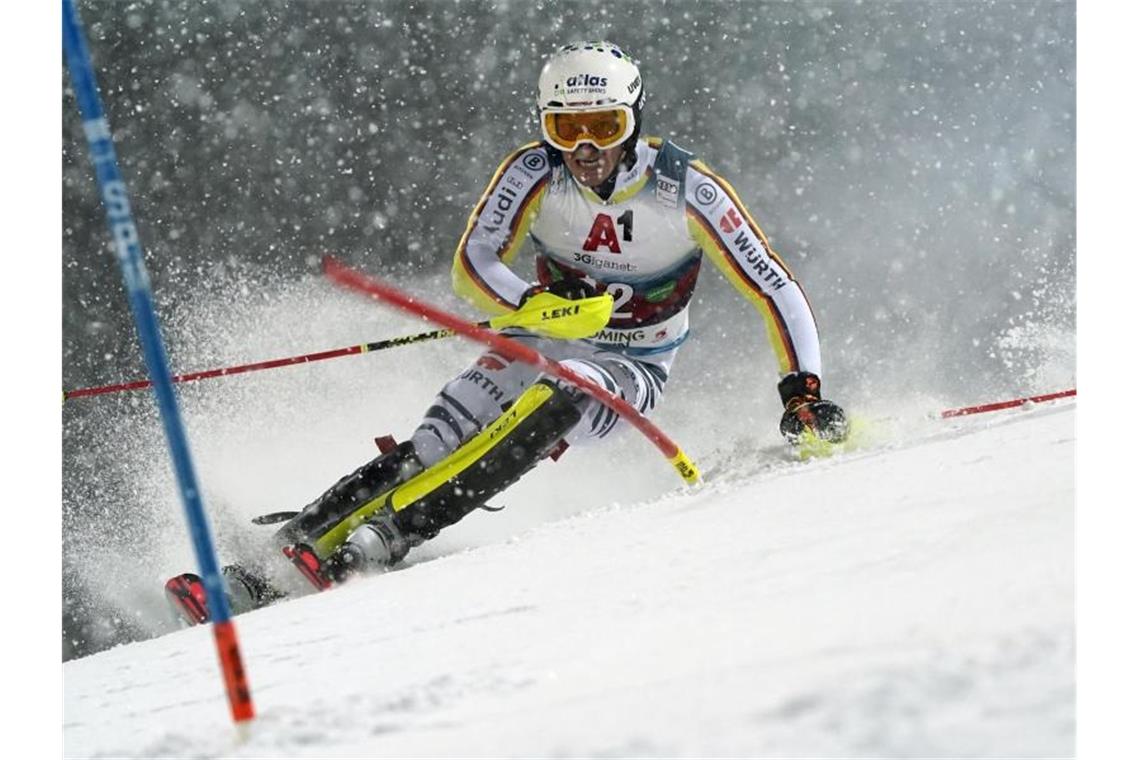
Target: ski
310 565
187 598
245 590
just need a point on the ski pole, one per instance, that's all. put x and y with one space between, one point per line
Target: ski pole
383 292
995 406
128 249
544 313
379 345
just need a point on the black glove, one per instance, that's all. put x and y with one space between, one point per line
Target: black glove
805 410
571 288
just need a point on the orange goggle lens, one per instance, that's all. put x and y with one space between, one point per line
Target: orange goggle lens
604 129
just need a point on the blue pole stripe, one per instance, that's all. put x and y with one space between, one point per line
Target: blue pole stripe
128 250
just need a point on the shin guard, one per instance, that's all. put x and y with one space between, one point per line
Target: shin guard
483 466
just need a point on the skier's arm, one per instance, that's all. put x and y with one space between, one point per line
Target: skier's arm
728 235
496 230
721 225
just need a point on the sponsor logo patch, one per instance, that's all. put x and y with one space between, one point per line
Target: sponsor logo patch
502 203
619 337
758 260
561 312
668 191
587 80
597 261
661 292
535 162
504 424
731 220
707 194
484 382
602 233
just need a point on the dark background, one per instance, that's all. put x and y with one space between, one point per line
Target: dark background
913 162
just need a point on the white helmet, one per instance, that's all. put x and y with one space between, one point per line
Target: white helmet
591 76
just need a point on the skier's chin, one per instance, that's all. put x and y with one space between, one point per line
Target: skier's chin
595 169
591 177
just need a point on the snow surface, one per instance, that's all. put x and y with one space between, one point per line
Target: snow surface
910 599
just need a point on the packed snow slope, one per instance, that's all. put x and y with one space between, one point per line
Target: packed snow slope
912 598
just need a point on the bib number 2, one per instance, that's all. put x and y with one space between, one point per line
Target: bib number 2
622 294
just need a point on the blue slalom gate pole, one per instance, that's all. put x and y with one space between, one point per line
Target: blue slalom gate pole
128 250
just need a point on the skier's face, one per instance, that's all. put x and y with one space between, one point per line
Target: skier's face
592 166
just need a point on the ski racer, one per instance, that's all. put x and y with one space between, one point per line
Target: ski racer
606 210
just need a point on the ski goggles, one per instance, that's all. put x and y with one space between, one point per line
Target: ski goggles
566 129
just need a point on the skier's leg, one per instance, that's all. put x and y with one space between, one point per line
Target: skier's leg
471 401
640 383
463 480
480 394
464 406
498 454
455 460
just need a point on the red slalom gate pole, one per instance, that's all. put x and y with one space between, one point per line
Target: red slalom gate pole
350 278
997 405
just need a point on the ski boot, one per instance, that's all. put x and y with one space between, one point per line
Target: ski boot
350 494
307 537
418 509
379 543
370 520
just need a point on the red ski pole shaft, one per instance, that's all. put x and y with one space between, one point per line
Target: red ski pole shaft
270 364
995 406
383 292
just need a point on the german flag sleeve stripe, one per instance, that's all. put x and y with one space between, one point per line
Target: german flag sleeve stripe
721 225
496 229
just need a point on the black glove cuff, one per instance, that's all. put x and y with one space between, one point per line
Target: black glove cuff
571 288
799 385
528 293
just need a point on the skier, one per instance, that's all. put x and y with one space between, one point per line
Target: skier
608 211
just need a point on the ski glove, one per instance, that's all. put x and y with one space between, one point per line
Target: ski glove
805 410
570 288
